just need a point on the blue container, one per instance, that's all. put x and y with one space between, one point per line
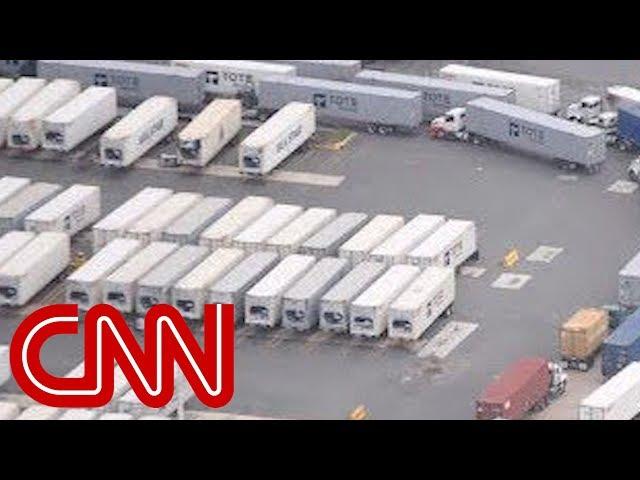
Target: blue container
629 124
622 346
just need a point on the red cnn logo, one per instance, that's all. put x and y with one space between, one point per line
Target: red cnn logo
107 338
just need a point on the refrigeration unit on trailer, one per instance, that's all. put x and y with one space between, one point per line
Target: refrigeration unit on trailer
117 222
79 414
344 70
11 186
245 212
450 246
380 109
15 97
232 287
12 242
26 126
134 81
188 227
263 302
155 287
301 302
629 283
617 399
619 95
288 240
191 292
139 131
255 236
369 313
120 287
537 93
79 119
5 368
428 297
33 267
329 239
622 346
381 227
40 412
84 287
581 338
272 143
14 68
394 249
9 411
14 211
72 211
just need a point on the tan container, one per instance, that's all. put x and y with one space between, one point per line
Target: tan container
582 335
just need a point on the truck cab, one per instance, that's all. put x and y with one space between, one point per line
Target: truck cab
585 110
451 124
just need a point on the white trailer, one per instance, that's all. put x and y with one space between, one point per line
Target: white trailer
369 312
116 223
34 267
26 201
381 227
5 83
255 236
150 227
79 414
429 296
72 211
129 404
40 412
154 417
617 399
263 303
327 240
120 384
343 70
450 246
222 232
9 411
15 97
120 287
26 124
280 136
5 367
116 416
537 93
10 186
190 293
620 94
138 132
395 248
84 287
209 132
82 117
12 242
188 228
288 240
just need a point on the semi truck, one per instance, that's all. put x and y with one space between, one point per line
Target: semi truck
451 245
255 236
327 241
581 337
617 399
15 97
622 346
14 211
288 240
188 227
381 227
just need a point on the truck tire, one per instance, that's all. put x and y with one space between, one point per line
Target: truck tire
583 366
385 130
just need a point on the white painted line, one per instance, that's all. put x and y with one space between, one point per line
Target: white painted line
511 281
623 187
452 335
544 254
568 178
472 272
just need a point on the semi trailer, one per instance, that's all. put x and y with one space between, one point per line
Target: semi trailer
288 240
327 241
451 245
14 211
188 227
581 337
15 97
381 227
255 236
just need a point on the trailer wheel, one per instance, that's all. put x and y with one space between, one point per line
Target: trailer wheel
372 128
384 130
564 364
583 366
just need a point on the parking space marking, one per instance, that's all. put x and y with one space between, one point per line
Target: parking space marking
511 281
452 335
568 178
623 187
472 272
544 254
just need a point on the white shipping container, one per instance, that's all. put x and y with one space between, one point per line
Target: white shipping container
40 412
5 83
450 246
422 303
381 227
143 128
329 239
15 97
280 136
288 240
72 211
619 94
5 367
82 117
255 236
9 411
79 414
10 186
188 228
12 242
34 267
209 132
617 399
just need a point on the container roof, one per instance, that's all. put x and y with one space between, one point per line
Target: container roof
512 379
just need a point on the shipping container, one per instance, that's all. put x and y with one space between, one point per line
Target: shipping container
12 242
9 411
188 227
33 267
272 143
255 236
301 303
581 337
5 367
15 97
629 283
82 117
116 416
138 132
134 82
156 286
628 129
537 93
190 293
288 240
450 246
232 287
80 414
5 83
263 302
381 227
10 186
344 70
15 68
14 211
71 211
116 223
84 287
120 287
619 95
617 399
335 304
622 346
329 239
209 132
568 143
40 412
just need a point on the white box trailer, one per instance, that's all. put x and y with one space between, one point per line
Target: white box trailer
232 287
26 124
450 246
617 399
129 404
344 70
327 240
79 119
5 83
155 287
263 302
209 132
288 240
537 93
120 384
10 186
381 227
629 283
9 411
150 227
369 312
40 412
84 287
15 97
34 267
190 293
80 414
153 417
427 298
188 228
120 287
255 236
618 95
272 143
301 303
138 132
14 211
72 211
12 242
116 223
394 249
116 416
5 367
